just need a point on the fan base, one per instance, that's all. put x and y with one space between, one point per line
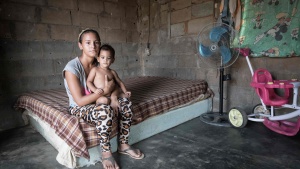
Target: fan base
216 119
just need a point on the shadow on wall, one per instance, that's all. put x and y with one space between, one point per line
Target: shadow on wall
9 118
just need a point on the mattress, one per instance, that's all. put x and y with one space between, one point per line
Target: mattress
151 96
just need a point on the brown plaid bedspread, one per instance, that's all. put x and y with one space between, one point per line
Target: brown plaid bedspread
150 96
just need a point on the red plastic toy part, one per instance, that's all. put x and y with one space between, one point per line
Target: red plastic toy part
245 51
287 128
264 86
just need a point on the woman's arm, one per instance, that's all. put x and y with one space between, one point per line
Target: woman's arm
75 89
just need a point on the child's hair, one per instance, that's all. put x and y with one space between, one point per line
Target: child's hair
88 30
109 48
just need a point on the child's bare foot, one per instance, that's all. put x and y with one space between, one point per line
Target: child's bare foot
108 161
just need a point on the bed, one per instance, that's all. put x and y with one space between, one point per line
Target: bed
165 102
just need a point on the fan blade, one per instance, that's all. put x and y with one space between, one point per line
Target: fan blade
216 33
226 54
204 51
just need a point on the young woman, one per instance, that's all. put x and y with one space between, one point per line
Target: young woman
75 75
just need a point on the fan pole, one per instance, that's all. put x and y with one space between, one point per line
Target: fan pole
221 82
217 118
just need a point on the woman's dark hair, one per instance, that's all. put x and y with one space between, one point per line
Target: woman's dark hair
109 48
88 30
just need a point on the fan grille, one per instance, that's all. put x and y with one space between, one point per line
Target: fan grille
214 45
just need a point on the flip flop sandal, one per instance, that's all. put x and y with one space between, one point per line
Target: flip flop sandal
126 153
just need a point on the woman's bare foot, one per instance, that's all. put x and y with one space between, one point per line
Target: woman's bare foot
128 150
108 161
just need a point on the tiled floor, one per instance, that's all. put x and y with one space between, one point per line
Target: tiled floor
191 145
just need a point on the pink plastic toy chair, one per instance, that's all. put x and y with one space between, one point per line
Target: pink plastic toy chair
263 83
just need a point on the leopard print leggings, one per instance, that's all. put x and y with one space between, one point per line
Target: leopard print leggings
101 116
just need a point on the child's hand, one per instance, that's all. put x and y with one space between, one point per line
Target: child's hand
128 94
99 91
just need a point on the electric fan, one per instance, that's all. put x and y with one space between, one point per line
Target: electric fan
214 49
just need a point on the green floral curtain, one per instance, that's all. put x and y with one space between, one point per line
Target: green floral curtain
270 28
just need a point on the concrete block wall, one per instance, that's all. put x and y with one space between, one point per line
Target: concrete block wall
37 39
173 51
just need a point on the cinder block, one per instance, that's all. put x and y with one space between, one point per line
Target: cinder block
164 7
4 30
18 12
178 29
199 1
31 67
80 18
157 61
60 32
130 49
94 6
132 72
196 25
60 63
128 24
131 12
118 48
58 49
164 17
34 2
187 61
203 9
183 46
52 82
153 36
126 2
115 36
133 62
24 50
185 73
200 74
283 65
114 9
160 49
163 34
109 22
154 19
55 16
240 97
132 37
180 4
102 33
65 4
31 31
181 15
164 72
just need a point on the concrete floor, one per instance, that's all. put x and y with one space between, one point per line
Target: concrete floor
191 145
